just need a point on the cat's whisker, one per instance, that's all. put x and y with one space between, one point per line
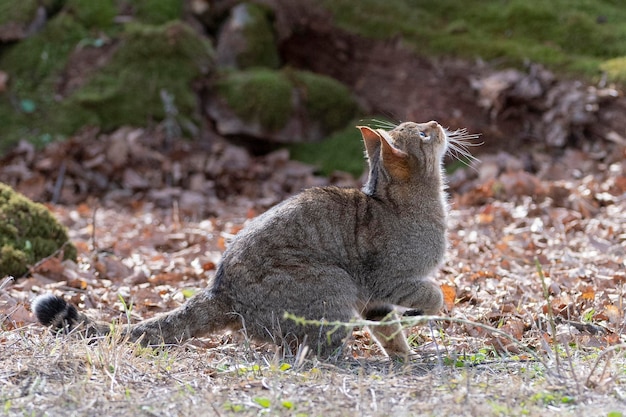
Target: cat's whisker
466 140
462 155
460 147
384 124
461 135
458 143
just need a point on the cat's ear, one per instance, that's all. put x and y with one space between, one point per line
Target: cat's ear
395 161
372 140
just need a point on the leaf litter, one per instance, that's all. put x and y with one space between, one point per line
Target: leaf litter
150 220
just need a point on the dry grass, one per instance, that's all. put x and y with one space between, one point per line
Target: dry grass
47 375
559 347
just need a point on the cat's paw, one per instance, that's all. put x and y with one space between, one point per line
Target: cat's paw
146 335
413 313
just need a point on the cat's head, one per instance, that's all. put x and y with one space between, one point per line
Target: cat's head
409 150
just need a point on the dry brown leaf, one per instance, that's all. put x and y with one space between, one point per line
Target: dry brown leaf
165 278
221 243
613 314
449 296
588 293
208 266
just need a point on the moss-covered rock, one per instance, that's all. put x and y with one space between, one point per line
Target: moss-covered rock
30 108
247 38
126 89
19 19
260 95
28 233
327 100
615 69
17 13
149 59
342 151
157 12
281 106
92 14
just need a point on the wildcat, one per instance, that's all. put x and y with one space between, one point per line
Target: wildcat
327 253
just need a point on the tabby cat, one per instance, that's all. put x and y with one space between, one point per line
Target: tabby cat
327 253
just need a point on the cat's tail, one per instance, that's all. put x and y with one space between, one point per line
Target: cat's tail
204 313
55 312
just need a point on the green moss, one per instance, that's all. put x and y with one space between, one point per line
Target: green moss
563 34
615 69
34 63
21 12
327 100
92 14
259 95
125 91
264 95
28 233
262 50
343 151
30 108
157 12
149 59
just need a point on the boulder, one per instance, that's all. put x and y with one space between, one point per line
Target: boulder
28 234
283 106
247 39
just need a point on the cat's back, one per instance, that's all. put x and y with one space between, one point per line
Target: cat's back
306 219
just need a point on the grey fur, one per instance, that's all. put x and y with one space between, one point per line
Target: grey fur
330 253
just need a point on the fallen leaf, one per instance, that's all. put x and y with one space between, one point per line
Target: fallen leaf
449 296
614 314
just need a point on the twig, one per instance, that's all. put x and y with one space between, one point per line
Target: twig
432 334
54 254
94 245
6 281
590 328
58 185
414 321
600 356
571 367
546 295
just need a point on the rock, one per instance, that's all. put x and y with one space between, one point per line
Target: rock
28 234
192 203
164 197
117 151
133 181
280 106
554 111
24 19
247 39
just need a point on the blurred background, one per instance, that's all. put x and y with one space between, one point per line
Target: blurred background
129 96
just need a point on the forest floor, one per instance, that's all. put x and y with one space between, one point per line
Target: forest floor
534 284
534 279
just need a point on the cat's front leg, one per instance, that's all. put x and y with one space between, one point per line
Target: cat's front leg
422 297
390 336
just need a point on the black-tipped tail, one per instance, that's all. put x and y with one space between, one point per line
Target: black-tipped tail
54 311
